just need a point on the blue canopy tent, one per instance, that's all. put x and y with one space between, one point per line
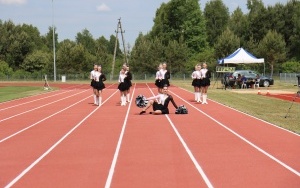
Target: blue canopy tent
241 56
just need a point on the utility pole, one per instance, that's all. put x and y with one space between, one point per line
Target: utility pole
119 30
53 37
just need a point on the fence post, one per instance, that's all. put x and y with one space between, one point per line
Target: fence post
145 76
183 76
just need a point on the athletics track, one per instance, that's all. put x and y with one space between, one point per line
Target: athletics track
60 139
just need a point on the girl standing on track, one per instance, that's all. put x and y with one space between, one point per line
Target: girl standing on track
205 83
196 75
92 77
158 78
160 107
122 86
165 74
99 85
127 80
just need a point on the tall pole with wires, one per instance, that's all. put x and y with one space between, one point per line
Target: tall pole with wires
53 33
119 27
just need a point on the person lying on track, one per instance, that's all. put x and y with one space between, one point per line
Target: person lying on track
161 105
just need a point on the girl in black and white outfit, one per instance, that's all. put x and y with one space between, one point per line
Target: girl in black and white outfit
99 85
92 77
205 83
196 75
123 87
158 78
165 74
160 107
127 80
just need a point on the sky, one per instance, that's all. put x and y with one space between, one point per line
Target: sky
100 17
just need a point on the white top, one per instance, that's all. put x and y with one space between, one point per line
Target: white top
203 73
158 75
162 73
97 74
160 98
196 75
92 75
121 77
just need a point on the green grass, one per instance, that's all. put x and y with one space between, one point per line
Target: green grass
14 92
266 108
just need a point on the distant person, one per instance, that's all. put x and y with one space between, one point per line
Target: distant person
158 78
99 85
160 107
196 75
205 82
92 77
128 79
123 87
239 80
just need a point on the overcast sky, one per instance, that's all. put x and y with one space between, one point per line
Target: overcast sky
100 17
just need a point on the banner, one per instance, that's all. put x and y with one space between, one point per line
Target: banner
225 69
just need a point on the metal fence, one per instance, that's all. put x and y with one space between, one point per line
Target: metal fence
289 78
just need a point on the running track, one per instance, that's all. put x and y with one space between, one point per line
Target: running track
60 139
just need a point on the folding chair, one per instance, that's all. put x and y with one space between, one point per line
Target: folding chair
256 83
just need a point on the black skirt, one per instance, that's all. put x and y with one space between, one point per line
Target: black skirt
123 86
93 83
160 107
196 83
99 85
158 83
205 82
164 82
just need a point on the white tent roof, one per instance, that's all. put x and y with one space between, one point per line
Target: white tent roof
240 56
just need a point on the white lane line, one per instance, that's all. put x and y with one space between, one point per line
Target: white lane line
187 149
53 146
16 133
34 100
114 161
41 106
242 138
276 126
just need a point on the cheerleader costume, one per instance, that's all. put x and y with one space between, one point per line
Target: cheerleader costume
158 79
99 79
163 102
128 79
196 75
92 77
122 84
206 75
166 76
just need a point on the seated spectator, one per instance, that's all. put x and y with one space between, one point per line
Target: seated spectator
239 80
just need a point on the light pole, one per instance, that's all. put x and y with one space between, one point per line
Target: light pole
53 32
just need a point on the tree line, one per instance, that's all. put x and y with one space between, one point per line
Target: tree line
182 35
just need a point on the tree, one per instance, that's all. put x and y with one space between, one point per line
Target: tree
36 61
238 24
5 69
85 38
291 67
272 48
217 17
48 39
226 43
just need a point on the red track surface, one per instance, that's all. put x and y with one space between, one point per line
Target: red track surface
59 139
289 97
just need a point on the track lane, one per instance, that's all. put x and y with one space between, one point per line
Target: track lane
84 157
228 160
17 153
279 142
151 154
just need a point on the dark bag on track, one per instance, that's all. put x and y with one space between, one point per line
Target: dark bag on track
141 101
181 110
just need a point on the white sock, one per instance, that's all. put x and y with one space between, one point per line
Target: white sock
95 99
100 101
128 97
196 96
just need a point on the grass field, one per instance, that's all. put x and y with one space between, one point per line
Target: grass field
14 92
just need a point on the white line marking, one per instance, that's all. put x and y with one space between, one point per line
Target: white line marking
248 115
41 106
53 146
242 138
114 161
16 133
34 100
187 149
